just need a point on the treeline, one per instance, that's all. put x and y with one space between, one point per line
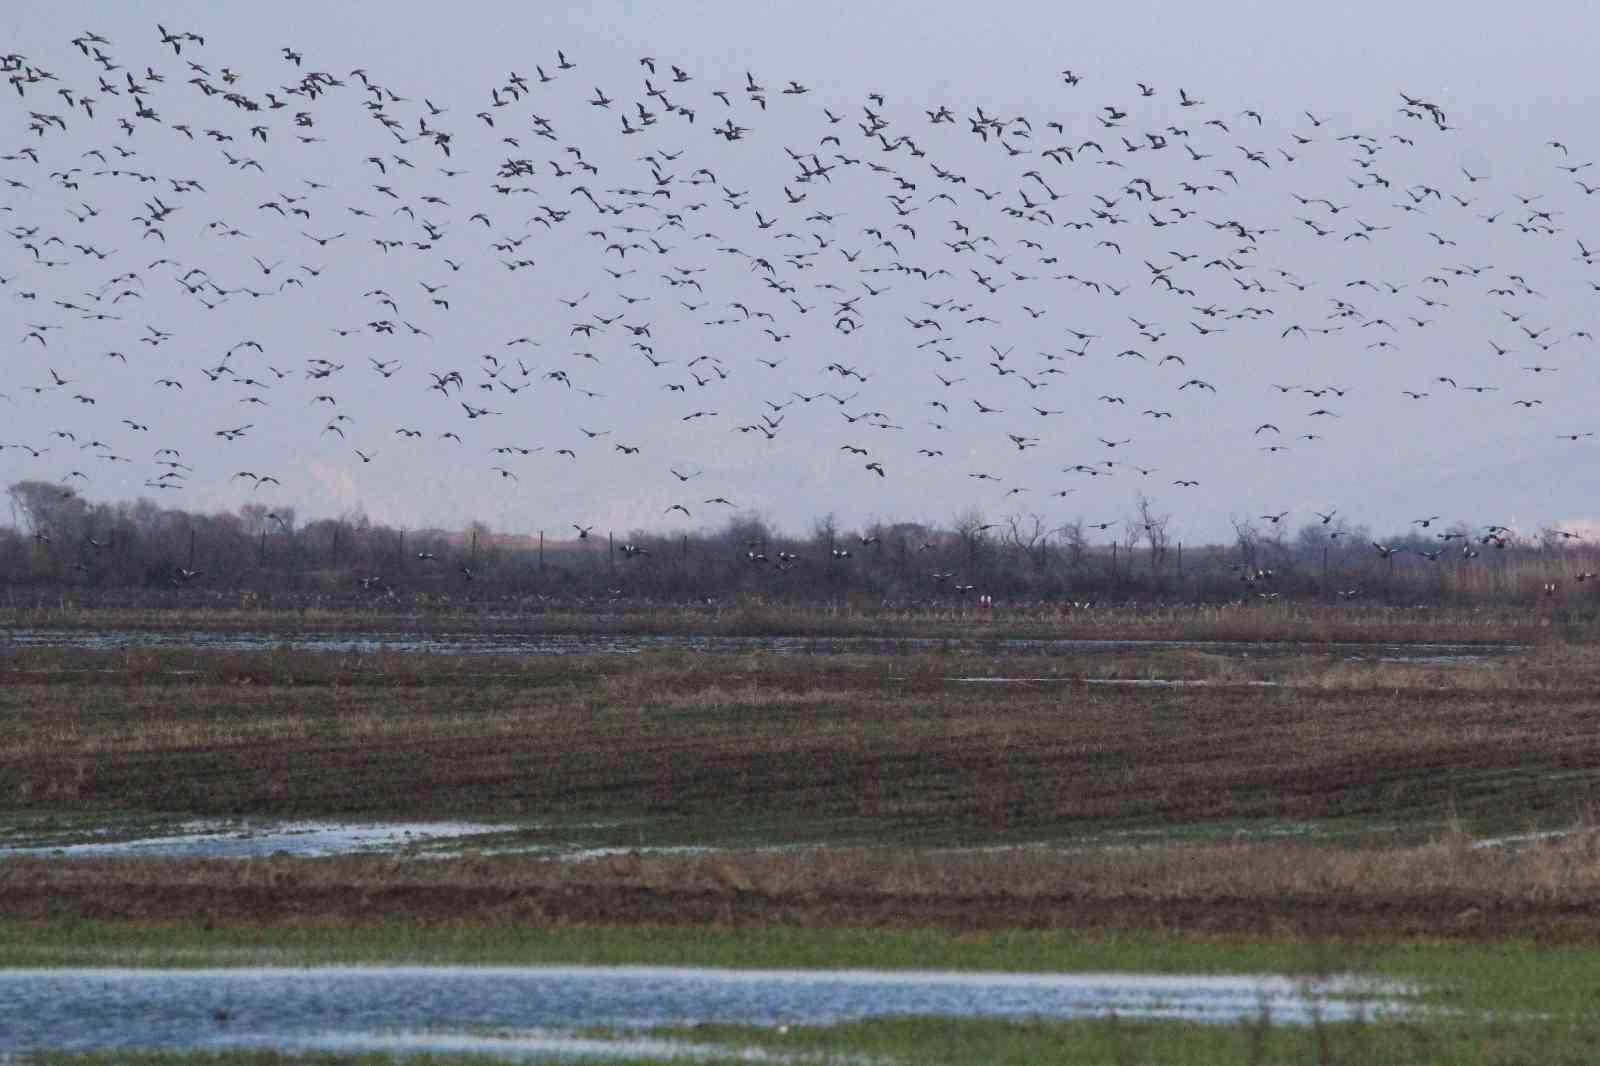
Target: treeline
61 540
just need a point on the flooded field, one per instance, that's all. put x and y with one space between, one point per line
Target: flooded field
477 643
246 819
240 839
351 1008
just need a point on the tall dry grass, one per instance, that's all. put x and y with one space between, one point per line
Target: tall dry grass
1539 872
1532 617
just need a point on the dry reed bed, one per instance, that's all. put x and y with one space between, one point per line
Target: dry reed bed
1563 869
1550 667
886 746
958 619
1543 890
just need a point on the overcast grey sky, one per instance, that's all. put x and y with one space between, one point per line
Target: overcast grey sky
1316 79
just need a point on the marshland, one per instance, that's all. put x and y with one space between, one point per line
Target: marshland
1297 790
1003 541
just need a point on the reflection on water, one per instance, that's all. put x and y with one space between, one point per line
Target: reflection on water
223 839
246 839
188 1009
521 1045
628 644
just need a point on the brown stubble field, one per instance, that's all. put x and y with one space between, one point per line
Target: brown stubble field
1345 797
1315 619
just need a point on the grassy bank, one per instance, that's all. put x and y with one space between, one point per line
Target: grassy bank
1104 1042
1122 1042
1111 1042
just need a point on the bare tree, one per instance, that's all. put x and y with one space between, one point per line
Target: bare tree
1030 539
973 533
1273 551
1153 527
481 538
1131 535
825 531
1246 538
746 529
1075 542
1549 538
253 518
47 509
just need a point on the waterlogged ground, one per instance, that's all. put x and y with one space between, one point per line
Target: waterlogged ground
352 1007
220 752
632 644
572 841
242 839
1322 796
425 840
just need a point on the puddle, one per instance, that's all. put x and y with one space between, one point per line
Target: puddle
1165 682
1137 682
576 855
215 839
223 839
632 644
1523 838
1180 835
81 1009
517 1045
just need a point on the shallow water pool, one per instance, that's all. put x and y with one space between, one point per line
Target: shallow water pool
288 1008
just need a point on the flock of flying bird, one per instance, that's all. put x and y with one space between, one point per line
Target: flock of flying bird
710 260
